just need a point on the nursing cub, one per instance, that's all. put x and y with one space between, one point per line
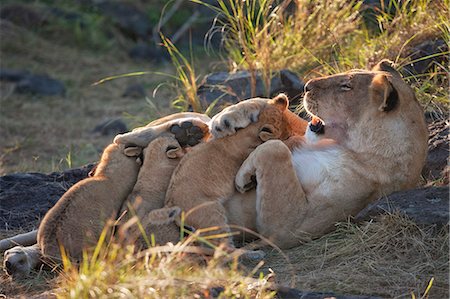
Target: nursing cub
202 193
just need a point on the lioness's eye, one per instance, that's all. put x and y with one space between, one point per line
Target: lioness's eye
346 87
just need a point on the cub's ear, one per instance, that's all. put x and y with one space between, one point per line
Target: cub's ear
174 152
267 132
384 93
281 101
386 65
163 216
132 151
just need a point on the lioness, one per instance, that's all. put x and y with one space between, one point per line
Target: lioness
371 141
220 160
374 142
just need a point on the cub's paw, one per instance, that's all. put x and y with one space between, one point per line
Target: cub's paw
245 179
17 263
236 117
189 132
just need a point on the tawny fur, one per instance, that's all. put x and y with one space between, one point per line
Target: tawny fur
161 157
202 193
78 218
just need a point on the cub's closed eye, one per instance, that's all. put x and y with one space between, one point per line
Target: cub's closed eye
345 87
266 129
171 147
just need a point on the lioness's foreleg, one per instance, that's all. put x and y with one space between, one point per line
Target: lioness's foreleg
25 239
281 203
188 129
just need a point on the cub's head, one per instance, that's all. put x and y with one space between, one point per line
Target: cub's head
276 121
358 99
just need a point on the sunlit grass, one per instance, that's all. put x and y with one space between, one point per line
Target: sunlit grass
171 271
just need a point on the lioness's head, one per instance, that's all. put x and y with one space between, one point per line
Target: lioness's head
371 112
361 98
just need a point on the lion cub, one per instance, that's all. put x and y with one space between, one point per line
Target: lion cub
78 218
204 179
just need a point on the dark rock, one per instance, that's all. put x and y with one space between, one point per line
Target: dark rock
40 85
136 91
12 75
111 127
230 88
289 293
436 166
132 21
424 49
425 206
34 84
146 52
22 15
26 197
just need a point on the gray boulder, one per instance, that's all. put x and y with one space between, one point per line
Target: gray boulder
26 197
425 206
27 82
436 166
230 88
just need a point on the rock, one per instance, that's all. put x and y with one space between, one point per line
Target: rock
143 51
425 206
31 83
111 127
230 88
136 91
22 15
132 21
436 166
12 75
40 85
424 49
26 197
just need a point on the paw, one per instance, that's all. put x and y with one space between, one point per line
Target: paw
236 117
16 262
245 181
189 132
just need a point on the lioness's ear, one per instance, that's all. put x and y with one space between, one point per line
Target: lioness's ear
281 101
386 65
384 93
267 132
174 152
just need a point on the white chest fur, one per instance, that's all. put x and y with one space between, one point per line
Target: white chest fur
316 166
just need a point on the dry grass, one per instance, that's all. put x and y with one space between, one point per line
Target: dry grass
52 133
391 258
